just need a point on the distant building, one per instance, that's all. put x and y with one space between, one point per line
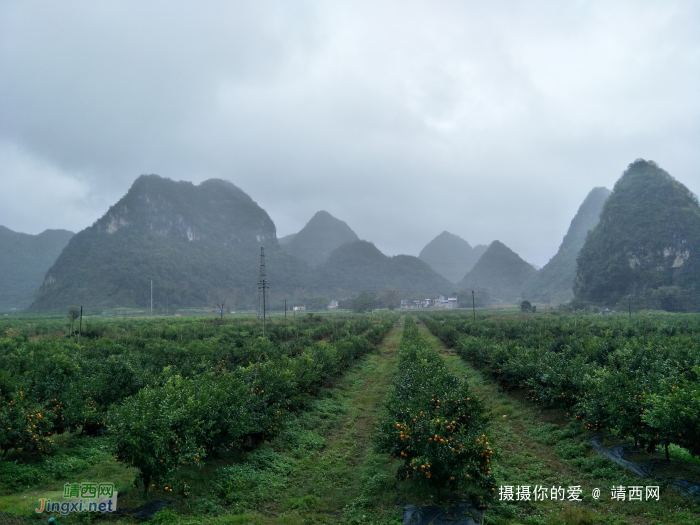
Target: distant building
299 308
407 303
333 305
440 302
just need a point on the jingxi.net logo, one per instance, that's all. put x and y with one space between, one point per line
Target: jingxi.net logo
82 497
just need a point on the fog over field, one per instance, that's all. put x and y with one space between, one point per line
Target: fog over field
403 119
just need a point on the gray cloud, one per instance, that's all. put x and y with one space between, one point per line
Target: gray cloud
401 118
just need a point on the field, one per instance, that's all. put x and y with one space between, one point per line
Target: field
346 418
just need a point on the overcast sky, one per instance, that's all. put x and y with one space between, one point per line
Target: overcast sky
492 120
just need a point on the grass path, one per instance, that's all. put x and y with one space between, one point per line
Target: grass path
333 478
537 447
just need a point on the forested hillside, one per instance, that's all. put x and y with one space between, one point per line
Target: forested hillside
24 260
197 243
201 244
361 266
285 240
647 244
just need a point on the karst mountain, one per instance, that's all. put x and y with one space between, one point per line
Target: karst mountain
500 272
361 266
197 243
315 242
24 260
451 256
645 251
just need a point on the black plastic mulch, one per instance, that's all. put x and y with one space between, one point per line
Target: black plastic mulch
685 487
463 514
145 512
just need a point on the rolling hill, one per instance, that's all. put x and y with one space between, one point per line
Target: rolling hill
360 266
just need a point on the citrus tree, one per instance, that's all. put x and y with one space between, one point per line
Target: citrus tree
675 412
156 431
434 424
25 425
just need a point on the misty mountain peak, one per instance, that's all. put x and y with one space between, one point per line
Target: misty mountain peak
24 260
323 234
500 271
647 242
215 210
450 256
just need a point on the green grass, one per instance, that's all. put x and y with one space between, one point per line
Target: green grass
26 479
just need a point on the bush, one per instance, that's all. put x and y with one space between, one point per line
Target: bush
25 425
432 421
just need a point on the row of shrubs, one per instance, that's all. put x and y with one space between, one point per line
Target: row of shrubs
643 385
48 386
165 427
434 424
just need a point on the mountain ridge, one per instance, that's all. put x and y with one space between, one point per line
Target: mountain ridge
554 282
197 243
24 260
360 265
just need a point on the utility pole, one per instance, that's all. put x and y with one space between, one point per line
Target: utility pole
80 324
473 306
263 284
629 305
151 297
285 310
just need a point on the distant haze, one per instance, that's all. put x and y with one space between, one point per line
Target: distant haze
403 119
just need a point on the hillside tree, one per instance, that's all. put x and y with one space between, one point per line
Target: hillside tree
391 298
364 302
73 314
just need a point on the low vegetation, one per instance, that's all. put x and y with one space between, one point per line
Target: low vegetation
347 418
